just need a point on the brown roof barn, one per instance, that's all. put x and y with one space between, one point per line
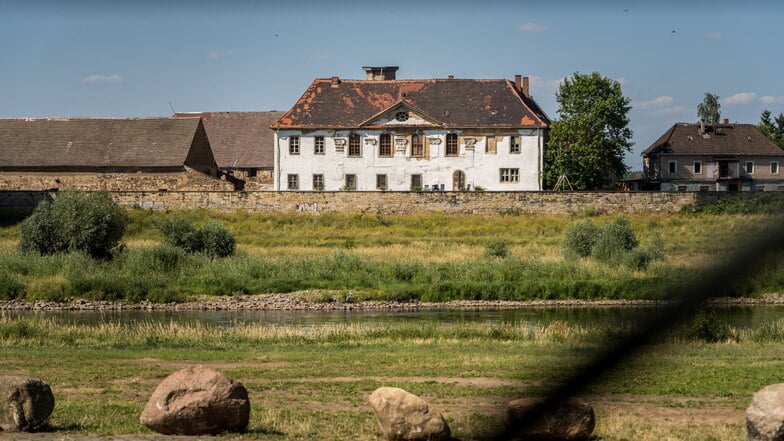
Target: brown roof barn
332 103
239 140
105 145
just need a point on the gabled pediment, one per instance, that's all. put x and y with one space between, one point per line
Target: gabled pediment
401 114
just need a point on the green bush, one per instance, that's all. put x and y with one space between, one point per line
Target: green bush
580 238
216 240
179 231
10 287
76 221
617 238
496 248
706 326
641 257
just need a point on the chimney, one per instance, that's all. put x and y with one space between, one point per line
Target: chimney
726 121
335 82
380 73
451 77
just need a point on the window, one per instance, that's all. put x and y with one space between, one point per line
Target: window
451 144
416 182
381 182
318 146
774 167
510 175
416 146
750 167
354 146
252 173
318 182
697 167
514 144
672 167
401 116
704 188
682 188
351 182
385 145
293 181
294 145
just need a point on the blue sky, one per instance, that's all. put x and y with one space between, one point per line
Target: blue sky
132 59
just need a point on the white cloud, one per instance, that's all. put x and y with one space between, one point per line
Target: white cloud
661 101
740 98
96 78
533 27
667 111
217 55
767 99
714 35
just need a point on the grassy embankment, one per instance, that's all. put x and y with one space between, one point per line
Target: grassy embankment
428 257
313 383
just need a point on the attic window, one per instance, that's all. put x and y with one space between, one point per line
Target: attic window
690 138
401 116
748 138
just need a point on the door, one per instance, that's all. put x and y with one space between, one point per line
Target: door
458 181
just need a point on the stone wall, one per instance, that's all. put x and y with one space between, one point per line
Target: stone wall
481 203
190 179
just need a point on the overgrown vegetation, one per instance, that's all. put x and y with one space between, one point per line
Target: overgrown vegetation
213 239
613 243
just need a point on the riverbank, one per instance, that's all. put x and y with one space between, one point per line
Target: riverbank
335 301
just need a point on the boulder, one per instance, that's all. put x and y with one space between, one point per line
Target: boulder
25 404
197 401
406 417
765 415
573 419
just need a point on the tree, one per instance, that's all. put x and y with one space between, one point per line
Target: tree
709 110
589 141
773 129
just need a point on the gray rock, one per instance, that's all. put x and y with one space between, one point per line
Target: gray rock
25 404
197 401
406 417
573 419
765 415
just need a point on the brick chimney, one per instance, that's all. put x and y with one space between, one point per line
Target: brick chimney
380 73
726 121
521 84
335 82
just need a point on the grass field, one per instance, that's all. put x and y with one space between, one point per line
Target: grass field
314 383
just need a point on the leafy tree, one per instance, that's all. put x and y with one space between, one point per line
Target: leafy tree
709 110
589 141
773 129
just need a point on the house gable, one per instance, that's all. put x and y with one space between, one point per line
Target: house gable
401 115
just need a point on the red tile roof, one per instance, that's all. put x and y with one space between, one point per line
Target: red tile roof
719 139
239 139
453 103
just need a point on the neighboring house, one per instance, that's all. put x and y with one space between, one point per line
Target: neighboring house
242 143
713 157
108 154
386 134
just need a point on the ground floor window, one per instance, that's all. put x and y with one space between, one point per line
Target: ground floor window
381 182
510 175
252 173
318 182
682 188
704 188
351 182
416 182
293 181
458 180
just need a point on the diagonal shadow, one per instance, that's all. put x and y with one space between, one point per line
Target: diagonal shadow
707 284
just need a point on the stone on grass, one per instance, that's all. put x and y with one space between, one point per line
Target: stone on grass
197 401
25 404
573 419
406 417
765 415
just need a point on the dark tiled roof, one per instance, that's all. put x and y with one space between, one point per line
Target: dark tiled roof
457 103
78 143
239 139
719 139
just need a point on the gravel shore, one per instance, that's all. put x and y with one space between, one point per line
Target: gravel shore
299 301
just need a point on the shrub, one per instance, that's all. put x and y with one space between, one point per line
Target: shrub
177 230
616 239
707 327
496 248
10 287
216 240
641 257
580 238
76 221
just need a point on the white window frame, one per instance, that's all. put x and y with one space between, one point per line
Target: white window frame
774 167
672 167
319 145
515 144
292 179
509 175
353 178
318 182
293 145
382 183
697 165
416 176
749 167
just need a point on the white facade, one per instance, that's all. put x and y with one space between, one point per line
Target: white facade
484 159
